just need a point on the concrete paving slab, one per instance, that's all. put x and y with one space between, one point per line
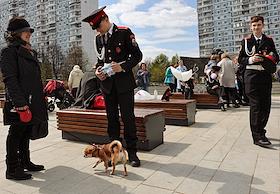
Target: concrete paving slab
215 155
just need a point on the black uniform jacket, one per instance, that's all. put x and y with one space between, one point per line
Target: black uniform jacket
266 46
23 84
121 46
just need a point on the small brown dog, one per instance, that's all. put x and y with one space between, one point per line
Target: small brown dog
106 152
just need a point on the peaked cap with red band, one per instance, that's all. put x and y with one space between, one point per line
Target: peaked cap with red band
95 17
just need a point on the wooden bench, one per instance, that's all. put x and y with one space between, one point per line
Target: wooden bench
203 100
91 126
177 96
177 111
2 102
2 94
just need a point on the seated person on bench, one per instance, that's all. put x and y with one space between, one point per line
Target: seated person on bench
213 86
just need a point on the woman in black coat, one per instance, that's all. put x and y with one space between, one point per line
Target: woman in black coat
24 92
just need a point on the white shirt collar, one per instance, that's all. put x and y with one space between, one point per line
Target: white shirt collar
110 31
260 38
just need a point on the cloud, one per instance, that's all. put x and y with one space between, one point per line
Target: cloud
145 41
193 52
153 51
123 6
158 24
166 13
167 35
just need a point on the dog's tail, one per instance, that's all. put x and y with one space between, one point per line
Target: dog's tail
116 146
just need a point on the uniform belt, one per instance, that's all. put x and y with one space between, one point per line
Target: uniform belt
255 67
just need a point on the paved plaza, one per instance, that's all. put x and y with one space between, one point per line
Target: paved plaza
215 155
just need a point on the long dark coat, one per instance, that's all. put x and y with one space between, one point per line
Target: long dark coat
23 84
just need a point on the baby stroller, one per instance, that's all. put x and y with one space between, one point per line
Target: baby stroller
55 89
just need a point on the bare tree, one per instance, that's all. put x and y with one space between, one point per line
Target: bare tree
2 87
56 59
74 57
46 67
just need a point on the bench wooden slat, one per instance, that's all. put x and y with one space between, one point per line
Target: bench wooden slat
203 100
2 102
172 104
177 112
91 125
88 118
140 132
98 133
104 121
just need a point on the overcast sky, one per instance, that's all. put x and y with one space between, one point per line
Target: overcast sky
160 26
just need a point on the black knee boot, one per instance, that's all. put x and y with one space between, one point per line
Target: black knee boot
27 164
14 169
24 155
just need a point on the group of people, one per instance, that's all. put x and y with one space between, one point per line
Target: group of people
224 79
186 88
117 47
251 73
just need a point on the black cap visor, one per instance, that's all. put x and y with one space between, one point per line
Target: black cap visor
26 29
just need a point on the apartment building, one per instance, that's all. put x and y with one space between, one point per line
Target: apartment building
56 22
224 23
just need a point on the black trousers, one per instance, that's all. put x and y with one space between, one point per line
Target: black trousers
230 94
241 90
74 92
17 144
172 87
258 86
125 103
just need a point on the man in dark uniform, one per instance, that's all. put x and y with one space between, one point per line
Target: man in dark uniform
117 52
258 79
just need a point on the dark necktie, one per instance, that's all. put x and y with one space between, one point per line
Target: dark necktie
258 42
104 39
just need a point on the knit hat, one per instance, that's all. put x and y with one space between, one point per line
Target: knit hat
18 24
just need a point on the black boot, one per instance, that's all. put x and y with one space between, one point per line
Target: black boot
222 106
33 167
133 159
16 172
27 164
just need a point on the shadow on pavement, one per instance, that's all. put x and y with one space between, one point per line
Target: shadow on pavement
168 149
66 180
202 125
232 182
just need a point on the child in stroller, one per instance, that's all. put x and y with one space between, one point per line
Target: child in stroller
56 90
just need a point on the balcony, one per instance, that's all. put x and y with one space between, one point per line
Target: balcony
73 2
51 26
74 21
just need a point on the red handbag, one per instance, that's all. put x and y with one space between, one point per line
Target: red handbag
25 115
99 102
